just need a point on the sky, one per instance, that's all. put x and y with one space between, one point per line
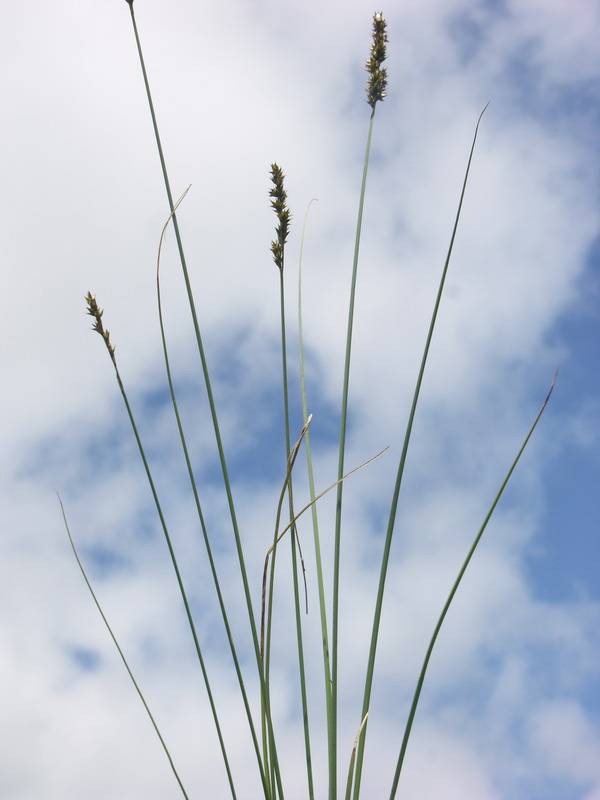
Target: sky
510 708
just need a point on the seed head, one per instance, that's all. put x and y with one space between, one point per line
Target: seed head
278 203
94 310
378 76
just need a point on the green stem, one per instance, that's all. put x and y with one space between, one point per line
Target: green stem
453 591
116 643
199 511
342 448
400 474
176 568
267 603
294 544
269 574
315 521
205 372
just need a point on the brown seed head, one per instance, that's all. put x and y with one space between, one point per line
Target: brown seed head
278 197
94 310
377 75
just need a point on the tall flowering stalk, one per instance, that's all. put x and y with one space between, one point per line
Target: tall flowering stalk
278 196
94 310
376 87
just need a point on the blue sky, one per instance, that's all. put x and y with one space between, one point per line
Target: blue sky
511 707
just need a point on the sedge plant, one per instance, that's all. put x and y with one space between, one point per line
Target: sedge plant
344 769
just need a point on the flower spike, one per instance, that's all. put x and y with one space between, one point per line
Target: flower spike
279 205
94 310
378 76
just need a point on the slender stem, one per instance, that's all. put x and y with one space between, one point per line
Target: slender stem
310 504
400 474
294 545
349 780
342 448
205 372
267 604
94 311
269 576
195 493
206 375
315 521
453 591
116 643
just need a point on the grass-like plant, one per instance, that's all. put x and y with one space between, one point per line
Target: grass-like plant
344 768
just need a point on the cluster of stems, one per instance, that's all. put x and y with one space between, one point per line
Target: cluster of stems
264 742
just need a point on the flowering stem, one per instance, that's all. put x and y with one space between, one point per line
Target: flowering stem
96 312
375 92
279 204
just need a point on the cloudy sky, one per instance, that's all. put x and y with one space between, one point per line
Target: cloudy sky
511 704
